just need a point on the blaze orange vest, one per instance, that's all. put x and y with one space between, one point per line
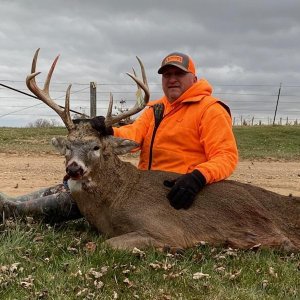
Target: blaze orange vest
195 133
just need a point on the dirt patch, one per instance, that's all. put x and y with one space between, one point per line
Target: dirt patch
24 174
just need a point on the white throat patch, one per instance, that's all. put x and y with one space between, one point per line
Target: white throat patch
75 185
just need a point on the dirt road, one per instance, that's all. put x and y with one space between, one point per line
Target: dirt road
20 175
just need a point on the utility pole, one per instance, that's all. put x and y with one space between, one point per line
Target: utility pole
278 96
93 99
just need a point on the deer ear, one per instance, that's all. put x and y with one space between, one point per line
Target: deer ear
122 146
60 144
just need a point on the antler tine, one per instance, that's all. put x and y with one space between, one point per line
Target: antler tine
43 94
141 101
49 75
67 114
33 66
110 106
143 71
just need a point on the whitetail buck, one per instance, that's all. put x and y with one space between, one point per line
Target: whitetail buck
130 206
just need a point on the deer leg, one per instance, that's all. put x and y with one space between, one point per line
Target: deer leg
273 239
53 205
132 240
34 195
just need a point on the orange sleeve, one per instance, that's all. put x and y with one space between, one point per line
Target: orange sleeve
218 143
138 129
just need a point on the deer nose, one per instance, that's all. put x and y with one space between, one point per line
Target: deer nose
74 170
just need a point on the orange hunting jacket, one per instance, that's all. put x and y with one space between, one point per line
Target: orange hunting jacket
195 133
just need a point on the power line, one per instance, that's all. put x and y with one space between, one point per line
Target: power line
29 95
236 104
158 84
41 82
154 92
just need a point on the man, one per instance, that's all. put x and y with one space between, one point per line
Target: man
187 131
194 136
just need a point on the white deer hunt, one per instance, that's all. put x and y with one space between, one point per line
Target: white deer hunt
130 207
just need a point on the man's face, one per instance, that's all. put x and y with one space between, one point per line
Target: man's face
176 81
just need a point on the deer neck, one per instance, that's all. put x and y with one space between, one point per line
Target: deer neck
111 178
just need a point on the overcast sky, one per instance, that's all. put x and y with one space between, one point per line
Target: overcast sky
245 49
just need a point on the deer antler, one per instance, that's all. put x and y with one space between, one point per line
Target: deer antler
43 94
141 101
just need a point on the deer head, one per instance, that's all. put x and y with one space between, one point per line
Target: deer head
82 138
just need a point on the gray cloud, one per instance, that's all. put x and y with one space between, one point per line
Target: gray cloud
237 43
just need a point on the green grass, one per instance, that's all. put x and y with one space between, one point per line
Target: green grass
34 140
260 142
254 142
42 262
38 261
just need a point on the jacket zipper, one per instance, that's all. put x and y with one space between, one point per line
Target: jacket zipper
151 146
158 111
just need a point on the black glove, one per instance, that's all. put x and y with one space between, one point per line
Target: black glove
98 123
184 189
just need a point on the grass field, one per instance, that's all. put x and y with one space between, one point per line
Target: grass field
254 142
39 261
280 142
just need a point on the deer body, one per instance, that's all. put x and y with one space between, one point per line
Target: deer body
130 206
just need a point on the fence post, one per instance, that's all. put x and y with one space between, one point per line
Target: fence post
93 99
278 96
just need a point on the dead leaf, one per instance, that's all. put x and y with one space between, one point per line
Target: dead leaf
38 238
94 273
90 247
272 272
220 269
265 283
98 284
138 252
73 250
14 267
27 283
115 295
155 266
128 282
234 275
200 275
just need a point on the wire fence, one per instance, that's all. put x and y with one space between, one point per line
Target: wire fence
250 104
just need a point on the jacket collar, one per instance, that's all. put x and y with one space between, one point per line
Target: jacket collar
195 93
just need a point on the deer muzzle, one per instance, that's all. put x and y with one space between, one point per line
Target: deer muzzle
74 170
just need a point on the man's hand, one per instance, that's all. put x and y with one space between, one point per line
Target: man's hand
98 123
184 189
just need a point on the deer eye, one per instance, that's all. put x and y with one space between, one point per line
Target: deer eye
96 148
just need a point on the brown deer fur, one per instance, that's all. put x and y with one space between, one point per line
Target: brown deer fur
130 207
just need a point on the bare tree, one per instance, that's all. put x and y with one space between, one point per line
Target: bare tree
43 123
